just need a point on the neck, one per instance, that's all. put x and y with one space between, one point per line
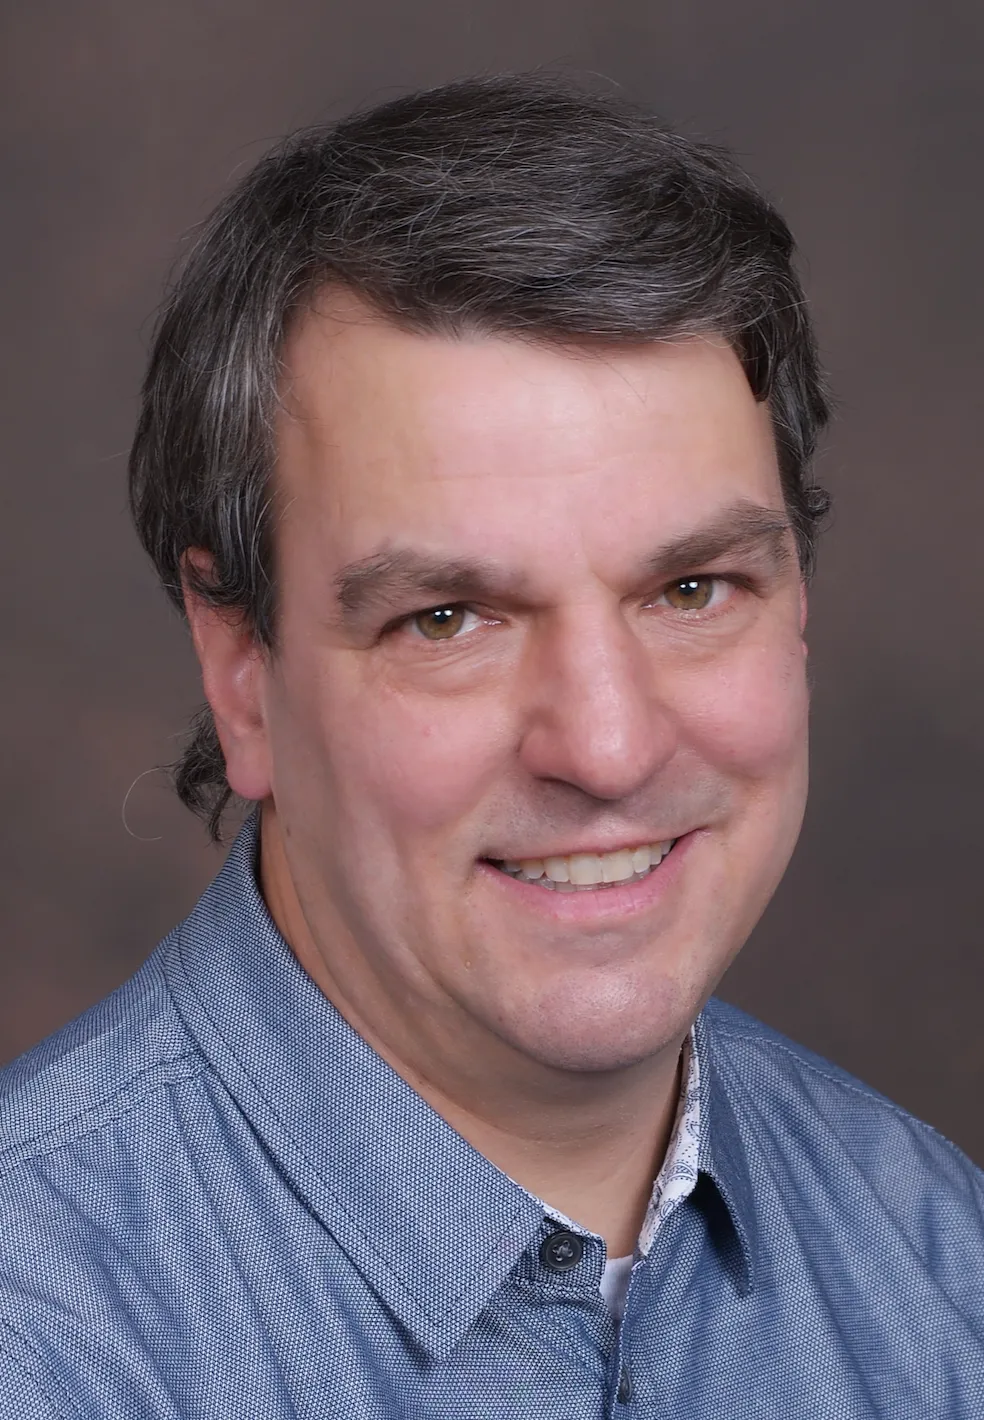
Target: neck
594 1160
589 1145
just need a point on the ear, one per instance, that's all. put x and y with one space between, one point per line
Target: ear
234 675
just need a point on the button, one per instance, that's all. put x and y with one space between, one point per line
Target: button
561 1251
624 1387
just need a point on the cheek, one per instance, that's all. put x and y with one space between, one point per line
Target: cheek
412 764
749 715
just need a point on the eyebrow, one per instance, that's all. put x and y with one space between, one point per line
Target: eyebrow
401 573
397 575
743 528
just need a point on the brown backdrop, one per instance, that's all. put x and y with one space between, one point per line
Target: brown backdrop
124 121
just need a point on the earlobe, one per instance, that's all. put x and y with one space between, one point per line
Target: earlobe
234 673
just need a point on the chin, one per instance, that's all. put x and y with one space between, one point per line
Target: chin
605 1031
601 1055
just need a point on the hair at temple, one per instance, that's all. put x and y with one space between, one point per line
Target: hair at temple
516 205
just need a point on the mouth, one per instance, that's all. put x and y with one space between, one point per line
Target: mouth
588 872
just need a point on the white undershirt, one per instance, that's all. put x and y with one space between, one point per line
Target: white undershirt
615 1284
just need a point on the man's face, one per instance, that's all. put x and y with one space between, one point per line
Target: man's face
538 607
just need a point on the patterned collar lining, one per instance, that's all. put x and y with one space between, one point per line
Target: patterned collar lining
678 1175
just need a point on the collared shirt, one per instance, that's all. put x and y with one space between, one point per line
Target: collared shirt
674 1182
218 1203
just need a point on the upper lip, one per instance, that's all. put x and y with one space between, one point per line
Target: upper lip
594 849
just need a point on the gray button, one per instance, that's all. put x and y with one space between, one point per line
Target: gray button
624 1387
561 1251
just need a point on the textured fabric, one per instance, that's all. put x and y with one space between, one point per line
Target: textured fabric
615 1281
674 1182
216 1201
676 1177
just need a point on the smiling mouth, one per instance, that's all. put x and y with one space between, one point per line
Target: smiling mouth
588 872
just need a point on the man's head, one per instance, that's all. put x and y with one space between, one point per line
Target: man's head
477 432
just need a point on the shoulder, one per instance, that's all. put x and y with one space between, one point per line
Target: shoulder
824 1124
87 1119
96 1070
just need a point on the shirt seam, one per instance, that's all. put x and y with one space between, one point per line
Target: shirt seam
27 1149
562 1341
477 1278
41 1381
856 1087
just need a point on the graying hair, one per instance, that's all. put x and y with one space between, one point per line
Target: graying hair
515 205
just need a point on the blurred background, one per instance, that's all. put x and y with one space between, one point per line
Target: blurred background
124 121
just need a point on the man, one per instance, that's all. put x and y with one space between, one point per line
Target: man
475 447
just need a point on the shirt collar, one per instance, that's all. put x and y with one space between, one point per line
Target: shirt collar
680 1169
433 1226
722 1158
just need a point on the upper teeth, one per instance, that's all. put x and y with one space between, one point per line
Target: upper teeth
587 869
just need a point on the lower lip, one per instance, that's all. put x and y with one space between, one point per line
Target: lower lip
604 904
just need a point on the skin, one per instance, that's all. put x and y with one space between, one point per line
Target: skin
583 703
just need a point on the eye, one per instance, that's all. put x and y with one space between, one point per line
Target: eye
692 593
443 623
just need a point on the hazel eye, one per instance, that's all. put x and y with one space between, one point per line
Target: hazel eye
691 593
441 623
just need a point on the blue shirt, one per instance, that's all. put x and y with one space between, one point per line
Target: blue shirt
217 1202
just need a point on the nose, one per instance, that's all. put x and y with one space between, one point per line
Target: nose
595 716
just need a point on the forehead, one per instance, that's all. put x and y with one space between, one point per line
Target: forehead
454 440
